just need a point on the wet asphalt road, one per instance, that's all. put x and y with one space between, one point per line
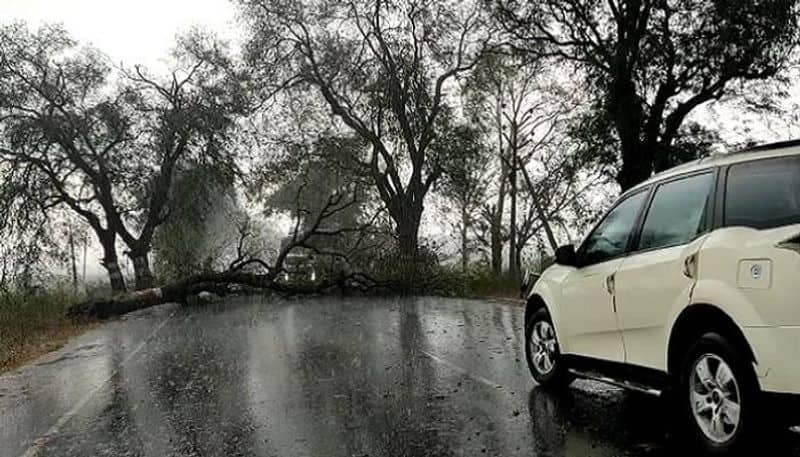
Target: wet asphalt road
315 377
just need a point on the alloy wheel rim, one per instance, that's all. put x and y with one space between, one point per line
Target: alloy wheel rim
715 398
543 347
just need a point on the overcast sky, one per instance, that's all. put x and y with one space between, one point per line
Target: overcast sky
143 32
134 32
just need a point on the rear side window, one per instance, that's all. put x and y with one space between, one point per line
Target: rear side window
677 213
763 194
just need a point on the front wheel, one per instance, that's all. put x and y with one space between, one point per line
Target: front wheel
542 352
720 392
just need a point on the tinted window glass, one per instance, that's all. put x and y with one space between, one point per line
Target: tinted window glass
610 238
676 214
763 194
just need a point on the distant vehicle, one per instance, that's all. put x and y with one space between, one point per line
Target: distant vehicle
688 285
299 268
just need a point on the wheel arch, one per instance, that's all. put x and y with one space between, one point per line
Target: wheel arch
696 320
535 303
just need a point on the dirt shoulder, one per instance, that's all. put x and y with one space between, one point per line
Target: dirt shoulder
45 337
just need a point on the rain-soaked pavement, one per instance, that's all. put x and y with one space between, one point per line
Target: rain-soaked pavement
315 377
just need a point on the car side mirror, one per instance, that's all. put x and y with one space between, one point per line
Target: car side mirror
565 255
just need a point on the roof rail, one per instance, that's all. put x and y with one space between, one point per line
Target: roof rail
768 146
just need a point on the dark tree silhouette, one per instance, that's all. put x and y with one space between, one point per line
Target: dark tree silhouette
383 68
654 61
109 152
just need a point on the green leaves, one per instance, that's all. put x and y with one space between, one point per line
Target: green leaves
652 62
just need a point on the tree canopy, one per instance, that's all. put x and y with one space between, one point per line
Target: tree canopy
655 61
383 68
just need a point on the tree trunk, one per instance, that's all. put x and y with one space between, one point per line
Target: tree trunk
512 224
141 270
407 216
548 229
407 220
464 253
512 233
74 264
497 216
626 110
216 283
83 271
637 165
497 248
115 275
111 262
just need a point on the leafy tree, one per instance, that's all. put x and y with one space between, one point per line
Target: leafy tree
526 110
485 99
306 176
187 242
464 182
108 152
655 61
383 68
58 129
185 121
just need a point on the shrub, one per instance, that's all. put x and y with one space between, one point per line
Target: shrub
31 320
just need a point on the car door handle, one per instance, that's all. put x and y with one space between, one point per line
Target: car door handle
690 266
610 283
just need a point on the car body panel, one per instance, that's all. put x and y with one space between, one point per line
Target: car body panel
589 323
776 349
722 268
585 321
650 286
548 289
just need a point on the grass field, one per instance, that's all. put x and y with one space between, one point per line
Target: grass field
34 323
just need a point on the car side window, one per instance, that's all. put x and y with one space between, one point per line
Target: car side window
610 238
763 194
677 212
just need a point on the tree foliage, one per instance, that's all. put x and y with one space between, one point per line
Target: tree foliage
465 182
655 61
204 208
108 148
383 68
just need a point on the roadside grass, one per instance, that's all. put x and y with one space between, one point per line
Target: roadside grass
485 284
477 282
33 323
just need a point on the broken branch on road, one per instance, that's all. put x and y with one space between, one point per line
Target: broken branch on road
249 271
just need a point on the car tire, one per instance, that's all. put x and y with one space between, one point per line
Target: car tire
543 353
717 396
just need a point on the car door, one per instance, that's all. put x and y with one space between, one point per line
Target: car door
655 276
590 325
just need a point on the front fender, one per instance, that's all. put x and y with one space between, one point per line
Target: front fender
548 290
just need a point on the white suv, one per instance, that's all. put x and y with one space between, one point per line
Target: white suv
690 285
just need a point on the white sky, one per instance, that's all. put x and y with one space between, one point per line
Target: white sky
131 31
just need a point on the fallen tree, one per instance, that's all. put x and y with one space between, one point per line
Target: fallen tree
220 284
250 271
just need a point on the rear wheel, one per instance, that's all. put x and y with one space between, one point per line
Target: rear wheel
542 352
719 391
